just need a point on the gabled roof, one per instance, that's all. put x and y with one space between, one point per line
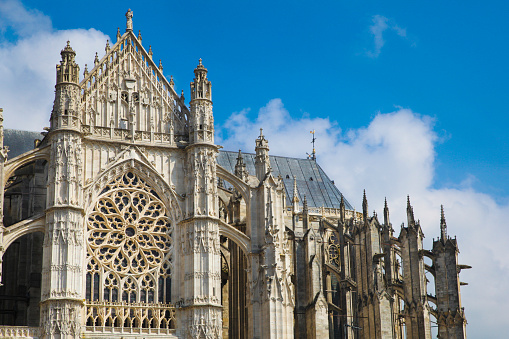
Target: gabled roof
128 61
312 181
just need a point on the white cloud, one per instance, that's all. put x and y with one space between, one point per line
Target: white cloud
27 65
377 29
394 156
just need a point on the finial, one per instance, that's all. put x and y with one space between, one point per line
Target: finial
107 48
160 65
96 60
182 96
386 213
410 212
150 53
68 48
85 72
240 167
443 225
129 18
139 36
305 205
172 83
295 192
261 133
118 34
199 63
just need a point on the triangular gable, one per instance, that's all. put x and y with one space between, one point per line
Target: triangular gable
126 92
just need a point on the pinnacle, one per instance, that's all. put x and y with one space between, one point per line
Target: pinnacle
443 225
68 48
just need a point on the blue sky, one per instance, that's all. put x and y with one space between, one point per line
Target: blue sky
321 59
406 97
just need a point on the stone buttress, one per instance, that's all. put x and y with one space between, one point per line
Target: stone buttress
450 314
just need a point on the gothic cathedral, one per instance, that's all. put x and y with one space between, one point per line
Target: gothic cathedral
126 220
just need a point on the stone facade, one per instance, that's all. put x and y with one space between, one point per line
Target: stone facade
126 220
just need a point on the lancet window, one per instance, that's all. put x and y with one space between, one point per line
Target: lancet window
129 250
332 250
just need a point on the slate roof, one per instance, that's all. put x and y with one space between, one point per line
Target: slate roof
20 142
311 179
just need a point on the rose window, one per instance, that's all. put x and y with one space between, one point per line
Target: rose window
129 232
129 250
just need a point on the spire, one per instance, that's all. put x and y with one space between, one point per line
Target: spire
160 65
107 48
150 53
85 72
201 87
96 60
172 83
68 70
410 212
118 34
139 36
240 167
386 213
305 205
129 19
364 205
443 225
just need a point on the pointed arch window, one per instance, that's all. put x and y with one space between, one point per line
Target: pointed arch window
129 257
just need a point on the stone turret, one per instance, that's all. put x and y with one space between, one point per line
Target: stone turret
262 161
201 124
65 114
201 297
62 291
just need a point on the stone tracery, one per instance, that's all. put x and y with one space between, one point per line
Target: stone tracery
129 250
